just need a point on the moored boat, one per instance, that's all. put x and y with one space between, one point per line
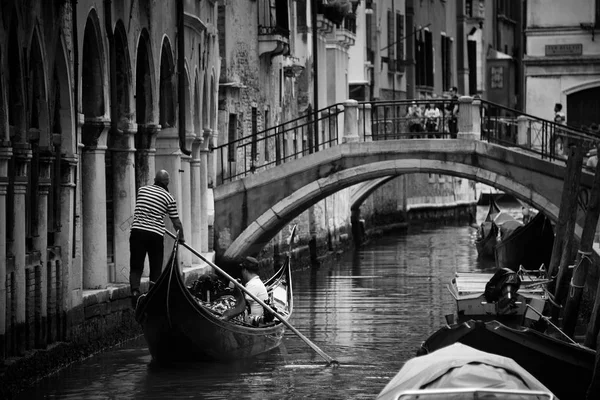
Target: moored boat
565 368
503 295
459 371
487 233
179 326
528 246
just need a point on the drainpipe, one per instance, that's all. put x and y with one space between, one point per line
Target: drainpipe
181 78
112 66
75 110
315 48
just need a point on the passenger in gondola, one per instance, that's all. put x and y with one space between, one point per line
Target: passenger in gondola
254 285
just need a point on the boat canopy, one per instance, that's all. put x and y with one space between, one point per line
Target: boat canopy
460 366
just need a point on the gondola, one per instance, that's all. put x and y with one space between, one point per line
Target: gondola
565 368
459 371
529 246
485 243
180 327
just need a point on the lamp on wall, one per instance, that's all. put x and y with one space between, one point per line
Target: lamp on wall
369 7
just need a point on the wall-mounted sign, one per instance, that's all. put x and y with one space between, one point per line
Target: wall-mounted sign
575 49
497 75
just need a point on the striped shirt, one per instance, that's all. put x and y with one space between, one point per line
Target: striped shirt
152 204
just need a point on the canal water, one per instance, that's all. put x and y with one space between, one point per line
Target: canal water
370 310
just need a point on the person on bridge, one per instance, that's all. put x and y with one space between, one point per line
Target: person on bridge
452 110
153 202
432 119
254 285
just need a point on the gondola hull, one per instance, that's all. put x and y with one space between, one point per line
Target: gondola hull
566 369
529 246
178 329
486 240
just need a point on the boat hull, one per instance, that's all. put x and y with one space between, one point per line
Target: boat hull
529 246
486 243
467 289
566 369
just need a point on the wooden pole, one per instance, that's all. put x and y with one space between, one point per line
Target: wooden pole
583 261
567 212
593 391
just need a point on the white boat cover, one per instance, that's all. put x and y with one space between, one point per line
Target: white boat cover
460 366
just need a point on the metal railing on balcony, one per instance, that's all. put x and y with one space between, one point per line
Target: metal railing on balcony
273 18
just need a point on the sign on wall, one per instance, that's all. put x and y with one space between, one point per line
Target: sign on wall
497 77
575 49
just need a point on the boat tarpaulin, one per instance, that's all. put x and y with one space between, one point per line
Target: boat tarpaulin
460 366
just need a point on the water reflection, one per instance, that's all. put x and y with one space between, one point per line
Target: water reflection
369 309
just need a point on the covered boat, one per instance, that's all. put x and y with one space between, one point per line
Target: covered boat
565 368
485 243
529 246
179 326
462 372
503 295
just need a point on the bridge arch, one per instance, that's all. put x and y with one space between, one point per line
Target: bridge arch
263 229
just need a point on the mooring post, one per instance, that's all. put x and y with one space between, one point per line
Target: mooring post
572 179
583 260
567 213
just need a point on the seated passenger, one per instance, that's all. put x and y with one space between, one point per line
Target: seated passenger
255 286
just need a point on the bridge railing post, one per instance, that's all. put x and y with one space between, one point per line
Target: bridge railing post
523 131
350 121
364 122
469 118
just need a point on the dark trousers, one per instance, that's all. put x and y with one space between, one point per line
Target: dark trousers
142 242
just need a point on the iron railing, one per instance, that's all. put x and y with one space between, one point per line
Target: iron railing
389 120
548 139
408 119
279 144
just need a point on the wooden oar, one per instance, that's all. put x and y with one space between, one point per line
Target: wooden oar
330 361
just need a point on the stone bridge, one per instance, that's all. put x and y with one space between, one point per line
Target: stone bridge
251 211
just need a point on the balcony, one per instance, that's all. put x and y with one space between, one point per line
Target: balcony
273 28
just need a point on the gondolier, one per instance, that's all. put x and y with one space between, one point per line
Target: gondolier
152 204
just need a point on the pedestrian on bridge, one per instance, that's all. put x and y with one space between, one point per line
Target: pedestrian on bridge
452 110
153 203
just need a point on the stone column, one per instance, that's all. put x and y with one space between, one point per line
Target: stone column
168 157
145 155
40 243
364 123
204 186
523 133
196 198
469 119
186 196
212 158
123 166
65 238
350 121
22 155
93 188
5 155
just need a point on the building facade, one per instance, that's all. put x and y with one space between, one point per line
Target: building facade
95 96
562 62
283 61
